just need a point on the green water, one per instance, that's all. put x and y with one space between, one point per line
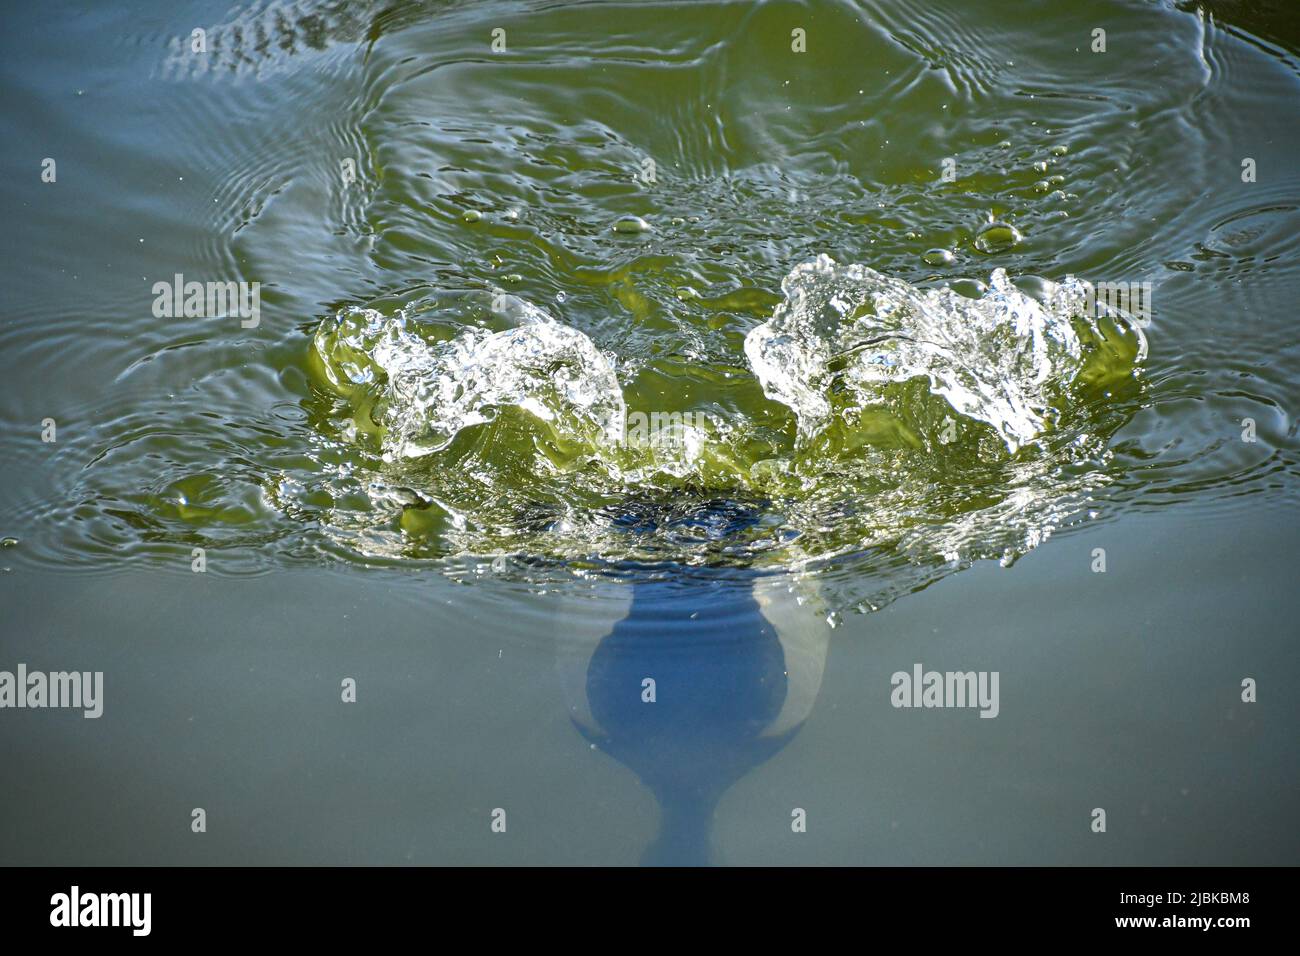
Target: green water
493 240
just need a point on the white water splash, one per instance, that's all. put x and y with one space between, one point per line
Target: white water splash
997 359
434 390
868 470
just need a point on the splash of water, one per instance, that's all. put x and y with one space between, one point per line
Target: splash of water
1002 359
433 391
927 427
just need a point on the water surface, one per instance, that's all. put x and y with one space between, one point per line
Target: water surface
707 340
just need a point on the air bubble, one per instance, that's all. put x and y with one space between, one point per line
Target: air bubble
631 224
997 237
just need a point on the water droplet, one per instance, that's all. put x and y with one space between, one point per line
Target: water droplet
997 237
630 224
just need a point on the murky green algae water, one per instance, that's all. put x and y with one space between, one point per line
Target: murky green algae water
601 307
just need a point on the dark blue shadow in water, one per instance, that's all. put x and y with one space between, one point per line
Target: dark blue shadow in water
718 669
729 690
